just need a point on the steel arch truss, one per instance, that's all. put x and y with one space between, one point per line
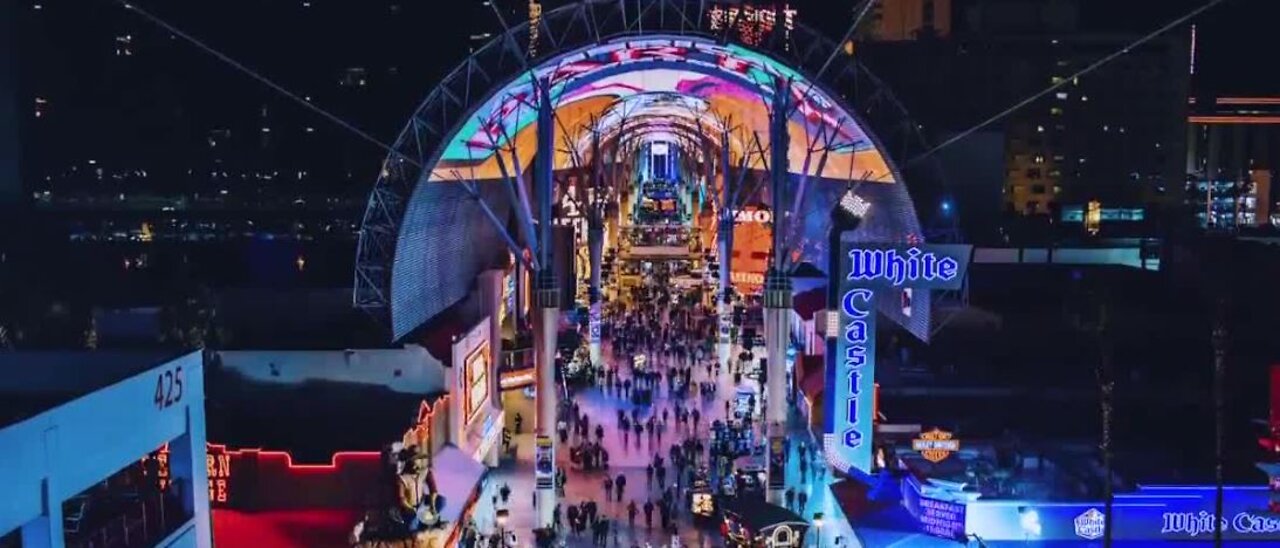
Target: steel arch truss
593 22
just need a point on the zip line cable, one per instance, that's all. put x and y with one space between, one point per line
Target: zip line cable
390 150
1017 106
265 81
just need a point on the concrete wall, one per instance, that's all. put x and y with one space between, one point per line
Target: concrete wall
409 370
63 451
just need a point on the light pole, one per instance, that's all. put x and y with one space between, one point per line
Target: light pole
1219 372
817 524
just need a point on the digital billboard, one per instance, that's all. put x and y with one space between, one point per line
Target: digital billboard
714 81
865 269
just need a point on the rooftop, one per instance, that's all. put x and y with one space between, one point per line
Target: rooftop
310 421
32 382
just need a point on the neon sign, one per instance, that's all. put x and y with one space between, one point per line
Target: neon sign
1195 524
935 445
912 265
218 465
753 22
866 271
1091 524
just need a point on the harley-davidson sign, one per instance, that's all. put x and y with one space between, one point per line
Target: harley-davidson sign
935 445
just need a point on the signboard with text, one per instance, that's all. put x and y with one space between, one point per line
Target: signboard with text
544 462
863 270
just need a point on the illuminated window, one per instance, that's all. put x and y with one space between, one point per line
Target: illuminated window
1039 129
1061 95
1039 159
1056 111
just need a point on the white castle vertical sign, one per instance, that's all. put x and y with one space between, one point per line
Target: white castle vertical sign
869 274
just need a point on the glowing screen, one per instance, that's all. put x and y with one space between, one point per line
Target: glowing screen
717 82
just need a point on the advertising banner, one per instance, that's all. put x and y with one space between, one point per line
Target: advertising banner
777 463
864 269
544 463
1178 513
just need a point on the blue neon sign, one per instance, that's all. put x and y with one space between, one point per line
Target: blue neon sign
868 272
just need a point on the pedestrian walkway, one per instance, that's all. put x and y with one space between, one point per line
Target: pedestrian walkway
629 454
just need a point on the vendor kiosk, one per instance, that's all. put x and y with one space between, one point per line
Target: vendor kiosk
754 524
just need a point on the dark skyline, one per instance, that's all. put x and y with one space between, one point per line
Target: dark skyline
168 92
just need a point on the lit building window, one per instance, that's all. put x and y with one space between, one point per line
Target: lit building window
1039 129
1061 95
124 45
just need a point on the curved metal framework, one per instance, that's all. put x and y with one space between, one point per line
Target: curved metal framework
592 22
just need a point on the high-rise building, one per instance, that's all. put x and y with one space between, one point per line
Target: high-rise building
10 150
1232 160
899 20
1114 135
129 125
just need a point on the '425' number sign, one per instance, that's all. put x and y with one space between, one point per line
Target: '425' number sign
168 388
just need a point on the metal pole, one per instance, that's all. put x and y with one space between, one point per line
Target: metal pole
1219 374
546 319
1107 384
724 300
595 246
777 296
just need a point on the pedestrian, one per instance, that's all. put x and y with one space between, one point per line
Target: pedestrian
648 473
662 476
519 423
572 514
804 500
599 434
791 498
608 488
631 514
504 492
621 483
648 514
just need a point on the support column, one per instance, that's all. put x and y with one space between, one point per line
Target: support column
519 274
490 285
777 312
777 294
595 243
546 316
724 298
188 470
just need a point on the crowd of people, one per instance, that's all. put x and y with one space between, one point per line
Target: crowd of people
662 375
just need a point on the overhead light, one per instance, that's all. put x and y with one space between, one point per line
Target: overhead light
854 204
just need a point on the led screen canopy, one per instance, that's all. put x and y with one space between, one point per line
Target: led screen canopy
719 82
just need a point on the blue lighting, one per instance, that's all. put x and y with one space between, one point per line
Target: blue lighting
873 271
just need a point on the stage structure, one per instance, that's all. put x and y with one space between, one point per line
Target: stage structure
778 116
